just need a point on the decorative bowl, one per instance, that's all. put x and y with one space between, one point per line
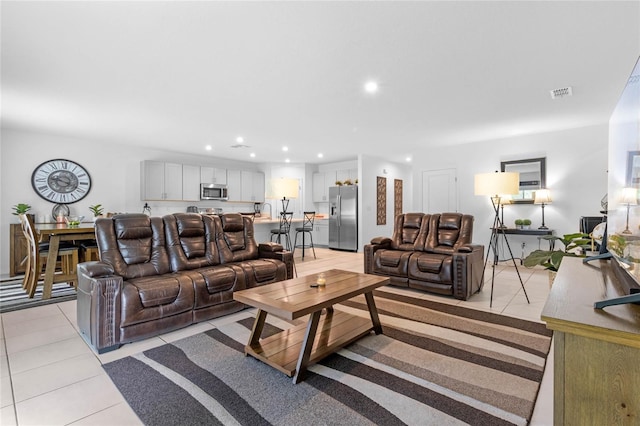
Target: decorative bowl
73 220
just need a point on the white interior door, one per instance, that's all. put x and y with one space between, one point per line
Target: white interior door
439 191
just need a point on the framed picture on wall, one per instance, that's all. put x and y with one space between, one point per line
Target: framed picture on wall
633 169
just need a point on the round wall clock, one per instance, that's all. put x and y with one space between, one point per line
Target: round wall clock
61 181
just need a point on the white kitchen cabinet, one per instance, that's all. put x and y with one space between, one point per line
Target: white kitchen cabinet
321 233
160 181
258 187
245 186
321 183
213 175
191 182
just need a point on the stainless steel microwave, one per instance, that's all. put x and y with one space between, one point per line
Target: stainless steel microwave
211 191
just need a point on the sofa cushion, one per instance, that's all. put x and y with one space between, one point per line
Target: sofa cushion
391 262
452 230
191 241
133 244
409 231
236 241
154 297
433 267
263 271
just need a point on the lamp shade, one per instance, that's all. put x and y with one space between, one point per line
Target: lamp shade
630 196
498 183
543 196
283 188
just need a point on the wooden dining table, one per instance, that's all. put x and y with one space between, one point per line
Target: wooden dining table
54 233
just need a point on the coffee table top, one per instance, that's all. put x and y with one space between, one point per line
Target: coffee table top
295 298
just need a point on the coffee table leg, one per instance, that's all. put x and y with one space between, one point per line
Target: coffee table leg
307 346
256 331
373 311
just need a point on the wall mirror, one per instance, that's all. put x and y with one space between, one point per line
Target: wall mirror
532 177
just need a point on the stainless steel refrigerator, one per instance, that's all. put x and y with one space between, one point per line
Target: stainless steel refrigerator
343 217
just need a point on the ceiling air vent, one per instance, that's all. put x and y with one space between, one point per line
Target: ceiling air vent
561 93
240 145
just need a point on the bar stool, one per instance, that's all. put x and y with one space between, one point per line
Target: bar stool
306 228
283 229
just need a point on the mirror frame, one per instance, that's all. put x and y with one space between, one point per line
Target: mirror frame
542 161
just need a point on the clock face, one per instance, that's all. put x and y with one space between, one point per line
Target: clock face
61 181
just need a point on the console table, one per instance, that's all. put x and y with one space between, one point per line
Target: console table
597 352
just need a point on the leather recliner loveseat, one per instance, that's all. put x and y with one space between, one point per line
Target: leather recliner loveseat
159 274
430 252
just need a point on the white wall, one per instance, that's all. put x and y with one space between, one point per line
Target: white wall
370 168
576 176
114 170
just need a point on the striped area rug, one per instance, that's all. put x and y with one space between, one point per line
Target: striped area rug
435 364
13 297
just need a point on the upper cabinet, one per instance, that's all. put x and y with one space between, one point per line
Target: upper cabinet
213 175
321 183
323 180
348 174
160 181
245 186
191 182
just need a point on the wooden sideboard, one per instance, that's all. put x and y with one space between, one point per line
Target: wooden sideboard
18 250
597 352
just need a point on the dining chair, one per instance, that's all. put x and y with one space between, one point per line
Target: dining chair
284 229
306 228
37 256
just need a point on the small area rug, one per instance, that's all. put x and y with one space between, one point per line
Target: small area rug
13 297
435 364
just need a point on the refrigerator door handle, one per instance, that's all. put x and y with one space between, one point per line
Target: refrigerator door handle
339 210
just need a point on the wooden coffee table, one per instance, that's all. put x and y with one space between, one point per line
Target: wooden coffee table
292 350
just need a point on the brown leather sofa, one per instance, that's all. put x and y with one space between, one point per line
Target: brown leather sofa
430 252
160 274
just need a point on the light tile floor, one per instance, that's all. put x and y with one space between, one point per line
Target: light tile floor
49 376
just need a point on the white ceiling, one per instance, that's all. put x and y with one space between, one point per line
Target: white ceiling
182 75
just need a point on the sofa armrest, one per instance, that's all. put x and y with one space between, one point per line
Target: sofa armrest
468 264
381 241
468 248
95 269
275 251
370 249
99 305
269 247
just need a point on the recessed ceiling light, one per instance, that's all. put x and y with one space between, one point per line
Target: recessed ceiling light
240 139
208 147
285 148
408 159
371 86
252 155
320 155
287 160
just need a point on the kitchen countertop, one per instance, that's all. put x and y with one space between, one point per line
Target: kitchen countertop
271 221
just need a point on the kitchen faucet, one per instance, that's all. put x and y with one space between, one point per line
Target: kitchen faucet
270 209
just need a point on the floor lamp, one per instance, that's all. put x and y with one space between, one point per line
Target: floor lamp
496 185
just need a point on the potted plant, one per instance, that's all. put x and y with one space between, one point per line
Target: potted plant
573 246
519 223
21 208
348 182
97 210
338 183
526 223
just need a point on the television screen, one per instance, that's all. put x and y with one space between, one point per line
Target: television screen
623 222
